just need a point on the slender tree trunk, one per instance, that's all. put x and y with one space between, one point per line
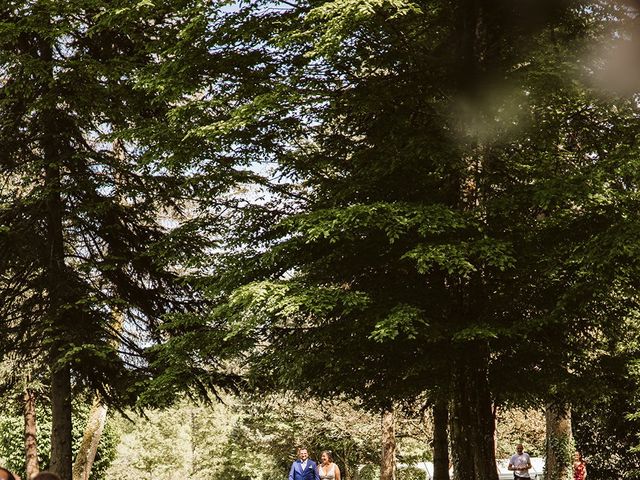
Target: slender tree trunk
388 458
60 316
61 456
440 441
346 455
86 455
485 454
494 414
472 422
30 434
193 441
558 464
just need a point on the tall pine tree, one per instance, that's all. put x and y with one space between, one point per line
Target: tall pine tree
92 207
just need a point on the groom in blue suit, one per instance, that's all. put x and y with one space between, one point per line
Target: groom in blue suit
304 468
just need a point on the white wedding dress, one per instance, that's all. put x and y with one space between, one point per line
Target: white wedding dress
331 472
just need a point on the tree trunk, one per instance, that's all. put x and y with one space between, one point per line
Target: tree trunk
472 422
30 434
90 440
461 438
61 456
55 150
347 473
388 458
59 315
440 441
558 464
193 442
485 455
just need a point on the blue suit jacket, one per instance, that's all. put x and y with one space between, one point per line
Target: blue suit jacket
310 473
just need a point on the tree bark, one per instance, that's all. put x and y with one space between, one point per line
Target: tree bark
61 456
96 421
59 316
472 422
558 465
347 473
440 441
30 434
388 458
461 439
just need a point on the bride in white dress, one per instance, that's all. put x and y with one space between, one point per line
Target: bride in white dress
327 470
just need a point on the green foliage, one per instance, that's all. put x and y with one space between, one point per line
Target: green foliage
516 425
400 320
369 472
254 438
166 443
605 423
12 440
562 447
410 182
11 444
410 473
96 178
418 187
99 210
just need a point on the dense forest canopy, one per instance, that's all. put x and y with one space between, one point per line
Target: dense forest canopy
394 202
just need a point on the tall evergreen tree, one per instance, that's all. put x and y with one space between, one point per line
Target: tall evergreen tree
91 207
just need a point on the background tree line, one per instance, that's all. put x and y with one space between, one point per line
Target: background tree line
253 438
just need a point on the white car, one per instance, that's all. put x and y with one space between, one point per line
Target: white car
536 472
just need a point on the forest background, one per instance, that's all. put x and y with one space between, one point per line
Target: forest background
423 214
253 439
